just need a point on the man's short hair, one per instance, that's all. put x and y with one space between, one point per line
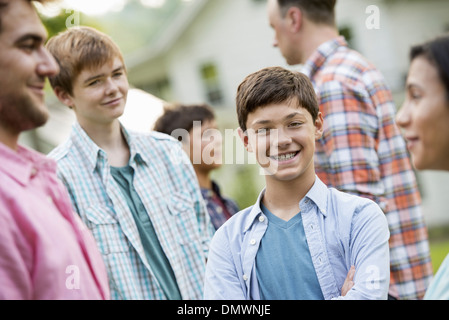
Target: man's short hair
77 49
4 4
179 116
275 85
318 11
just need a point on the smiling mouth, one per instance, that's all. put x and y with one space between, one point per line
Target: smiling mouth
285 157
411 142
115 101
411 139
37 89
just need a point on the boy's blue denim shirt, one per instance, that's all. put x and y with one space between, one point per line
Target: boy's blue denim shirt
342 230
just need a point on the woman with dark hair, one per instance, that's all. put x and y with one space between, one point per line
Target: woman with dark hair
424 117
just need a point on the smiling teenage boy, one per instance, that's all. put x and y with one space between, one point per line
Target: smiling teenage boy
144 210
301 240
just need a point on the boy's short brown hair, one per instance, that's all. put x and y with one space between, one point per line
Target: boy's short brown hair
275 85
79 48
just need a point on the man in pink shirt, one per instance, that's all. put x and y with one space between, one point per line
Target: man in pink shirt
45 250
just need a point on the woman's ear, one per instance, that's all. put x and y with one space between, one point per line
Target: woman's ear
64 97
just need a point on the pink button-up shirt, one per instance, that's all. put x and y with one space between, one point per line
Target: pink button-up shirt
46 252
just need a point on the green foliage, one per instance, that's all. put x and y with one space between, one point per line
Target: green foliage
246 185
439 249
65 19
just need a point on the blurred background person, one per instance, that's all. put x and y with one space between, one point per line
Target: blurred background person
424 117
195 126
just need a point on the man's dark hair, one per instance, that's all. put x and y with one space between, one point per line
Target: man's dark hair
182 117
437 53
275 85
4 4
318 11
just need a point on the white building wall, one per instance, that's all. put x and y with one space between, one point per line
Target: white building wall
403 23
233 34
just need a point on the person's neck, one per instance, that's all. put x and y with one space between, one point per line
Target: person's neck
312 36
9 138
109 137
203 178
282 197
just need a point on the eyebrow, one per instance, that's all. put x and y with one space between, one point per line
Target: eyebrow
102 74
290 116
28 36
412 86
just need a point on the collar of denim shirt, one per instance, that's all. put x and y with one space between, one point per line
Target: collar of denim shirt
317 196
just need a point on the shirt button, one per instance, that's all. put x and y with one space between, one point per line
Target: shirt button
245 277
253 242
33 172
261 218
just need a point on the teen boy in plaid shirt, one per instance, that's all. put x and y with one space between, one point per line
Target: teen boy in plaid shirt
137 193
362 151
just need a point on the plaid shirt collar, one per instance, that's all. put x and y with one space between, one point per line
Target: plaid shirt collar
319 57
94 154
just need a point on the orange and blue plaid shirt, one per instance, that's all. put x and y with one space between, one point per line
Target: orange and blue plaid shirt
220 208
362 152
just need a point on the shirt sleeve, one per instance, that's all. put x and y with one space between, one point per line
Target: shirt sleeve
15 278
369 253
347 154
439 287
222 281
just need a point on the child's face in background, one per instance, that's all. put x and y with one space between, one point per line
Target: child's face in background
205 146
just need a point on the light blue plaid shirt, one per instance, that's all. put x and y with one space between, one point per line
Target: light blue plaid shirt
169 190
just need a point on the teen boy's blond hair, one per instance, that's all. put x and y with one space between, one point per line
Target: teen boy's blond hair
80 48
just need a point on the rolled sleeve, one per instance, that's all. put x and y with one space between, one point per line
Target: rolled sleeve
370 254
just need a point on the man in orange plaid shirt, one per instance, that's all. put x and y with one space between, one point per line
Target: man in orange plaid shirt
362 151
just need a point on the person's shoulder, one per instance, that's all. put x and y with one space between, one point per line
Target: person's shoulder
353 205
349 57
155 139
152 135
61 151
236 225
351 68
